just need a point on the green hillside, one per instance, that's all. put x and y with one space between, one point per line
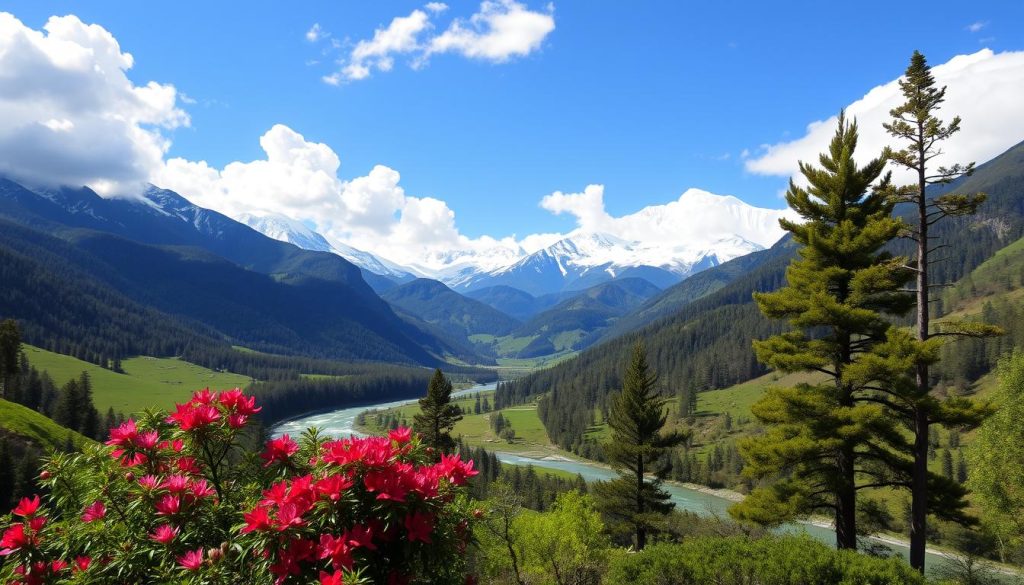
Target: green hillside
35 428
147 381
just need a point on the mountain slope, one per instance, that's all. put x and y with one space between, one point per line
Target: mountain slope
707 343
190 262
439 305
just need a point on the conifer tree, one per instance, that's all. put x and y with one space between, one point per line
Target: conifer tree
437 416
6 475
819 439
638 448
915 123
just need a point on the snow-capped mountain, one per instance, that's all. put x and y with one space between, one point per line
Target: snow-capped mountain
295 232
582 260
662 244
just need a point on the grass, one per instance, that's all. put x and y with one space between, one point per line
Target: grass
29 424
475 429
147 382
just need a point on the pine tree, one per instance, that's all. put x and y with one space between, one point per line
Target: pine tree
66 412
437 416
818 436
638 447
10 350
90 417
915 123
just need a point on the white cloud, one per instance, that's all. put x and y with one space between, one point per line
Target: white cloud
399 37
316 32
70 115
976 26
502 29
984 89
696 217
499 31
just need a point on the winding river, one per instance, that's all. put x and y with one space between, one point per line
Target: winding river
342 423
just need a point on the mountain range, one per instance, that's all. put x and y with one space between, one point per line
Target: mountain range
578 260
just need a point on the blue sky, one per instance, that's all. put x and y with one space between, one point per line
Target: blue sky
646 98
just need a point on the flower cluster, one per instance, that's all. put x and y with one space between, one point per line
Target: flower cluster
364 507
178 498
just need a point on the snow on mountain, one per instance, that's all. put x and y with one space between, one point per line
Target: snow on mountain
295 232
662 244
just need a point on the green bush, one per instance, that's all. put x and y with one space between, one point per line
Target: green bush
788 560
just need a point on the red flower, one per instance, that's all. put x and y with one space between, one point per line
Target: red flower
456 470
194 415
82 562
419 526
147 440
164 533
175 483
26 508
168 505
192 559
331 487
14 539
58 566
240 403
401 435
94 511
257 520
279 449
336 549
200 488
149 482
331 579
361 536
288 516
204 397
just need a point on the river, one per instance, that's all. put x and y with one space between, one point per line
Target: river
342 423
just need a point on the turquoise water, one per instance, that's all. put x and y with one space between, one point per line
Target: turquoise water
341 423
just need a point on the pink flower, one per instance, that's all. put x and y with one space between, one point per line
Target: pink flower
164 534
94 511
192 559
124 434
419 525
26 508
401 435
149 482
279 449
168 505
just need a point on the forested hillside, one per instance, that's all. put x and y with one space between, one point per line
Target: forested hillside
707 343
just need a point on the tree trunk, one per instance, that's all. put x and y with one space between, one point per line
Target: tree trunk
641 530
919 481
846 502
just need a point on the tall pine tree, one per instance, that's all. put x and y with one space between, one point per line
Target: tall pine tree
437 416
820 442
915 124
638 448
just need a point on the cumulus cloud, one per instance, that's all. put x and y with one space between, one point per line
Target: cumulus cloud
502 29
499 31
697 217
300 179
70 115
984 88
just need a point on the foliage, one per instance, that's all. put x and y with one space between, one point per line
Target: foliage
997 457
175 498
787 560
564 546
837 295
638 447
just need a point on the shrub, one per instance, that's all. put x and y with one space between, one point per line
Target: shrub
175 499
787 560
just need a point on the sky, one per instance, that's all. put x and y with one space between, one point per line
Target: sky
416 128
